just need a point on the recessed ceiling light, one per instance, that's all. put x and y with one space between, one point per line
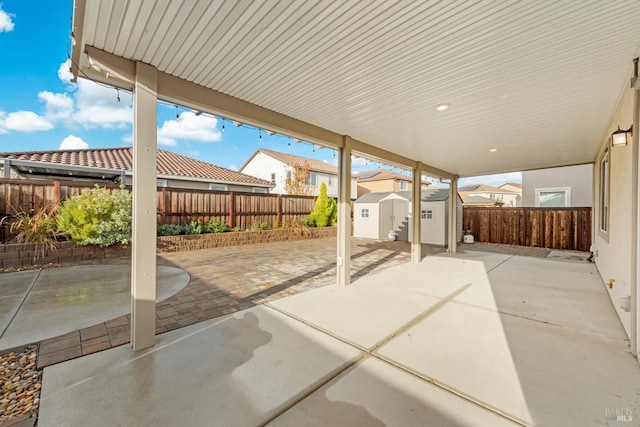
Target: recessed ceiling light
493 150
442 107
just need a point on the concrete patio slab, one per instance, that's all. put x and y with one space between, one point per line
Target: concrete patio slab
13 291
534 372
242 369
375 393
67 299
362 321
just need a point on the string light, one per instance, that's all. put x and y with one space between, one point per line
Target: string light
222 129
177 114
260 135
117 94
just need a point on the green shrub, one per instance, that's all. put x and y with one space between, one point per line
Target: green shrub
97 217
194 227
325 211
262 226
216 227
170 230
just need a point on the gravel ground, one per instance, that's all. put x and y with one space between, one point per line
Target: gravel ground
21 383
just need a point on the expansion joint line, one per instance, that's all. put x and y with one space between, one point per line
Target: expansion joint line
26 295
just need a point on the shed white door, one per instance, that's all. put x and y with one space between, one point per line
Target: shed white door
394 215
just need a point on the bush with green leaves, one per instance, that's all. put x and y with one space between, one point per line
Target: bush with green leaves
97 217
261 226
170 230
216 227
325 211
194 227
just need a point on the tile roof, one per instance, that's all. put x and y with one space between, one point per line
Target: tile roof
381 174
482 188
121 159
298 161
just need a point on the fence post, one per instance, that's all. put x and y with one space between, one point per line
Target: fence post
56 193
230 208
279 209
163 205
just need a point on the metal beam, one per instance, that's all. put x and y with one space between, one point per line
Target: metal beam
344 213
416 209
143 249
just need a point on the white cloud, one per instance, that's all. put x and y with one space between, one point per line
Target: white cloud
193 153
58 106
189 127
97 106
6 24
233 167
64 72
73 143
23 121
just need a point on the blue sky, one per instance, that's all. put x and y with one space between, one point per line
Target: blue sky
41 110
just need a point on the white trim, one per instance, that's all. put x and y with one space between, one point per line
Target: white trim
566 190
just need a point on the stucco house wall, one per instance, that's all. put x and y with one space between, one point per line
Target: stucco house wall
613 246
577 178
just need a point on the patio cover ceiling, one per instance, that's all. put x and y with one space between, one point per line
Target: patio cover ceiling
538 80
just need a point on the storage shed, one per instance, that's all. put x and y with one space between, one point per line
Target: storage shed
376 214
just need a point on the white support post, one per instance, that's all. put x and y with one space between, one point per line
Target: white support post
143 247
416 208
453 215
344 213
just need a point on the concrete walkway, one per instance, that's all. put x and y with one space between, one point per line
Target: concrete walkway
40 304
472 339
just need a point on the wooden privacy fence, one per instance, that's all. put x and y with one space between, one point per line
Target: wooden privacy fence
175 205
553 228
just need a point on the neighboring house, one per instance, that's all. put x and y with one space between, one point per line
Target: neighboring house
495 195
516 188
116 165
380 180
375 214
278 168
569 186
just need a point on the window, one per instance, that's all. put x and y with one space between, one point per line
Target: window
217 187
273 177
161 182
603 201
330 183
403 185
364 213
553 197
311 179
423 215
289 177
260 190
429 214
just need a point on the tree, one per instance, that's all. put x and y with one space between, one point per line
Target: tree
296 183
325 211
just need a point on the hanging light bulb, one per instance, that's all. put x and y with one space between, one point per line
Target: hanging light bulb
117 95
334 154
177 114
222 128
260 135
289 144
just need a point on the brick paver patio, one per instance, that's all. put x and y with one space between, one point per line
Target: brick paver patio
225 280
